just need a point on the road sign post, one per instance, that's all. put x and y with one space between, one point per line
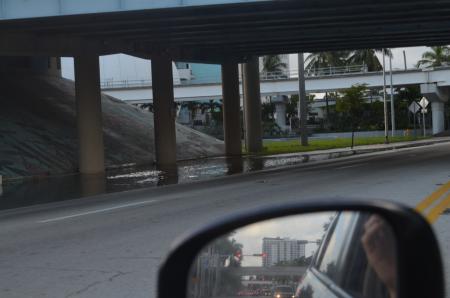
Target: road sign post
423 104
424 111
414 107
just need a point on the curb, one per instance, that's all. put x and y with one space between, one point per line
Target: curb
334 155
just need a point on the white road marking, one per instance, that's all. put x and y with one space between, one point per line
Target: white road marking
98 211
352 166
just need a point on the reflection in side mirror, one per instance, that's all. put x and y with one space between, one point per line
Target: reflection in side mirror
318 254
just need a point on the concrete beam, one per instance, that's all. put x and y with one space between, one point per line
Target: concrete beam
252 106
164 111
34 64
231 109
89 115
434 93
15 9
437 109
59 46
437 96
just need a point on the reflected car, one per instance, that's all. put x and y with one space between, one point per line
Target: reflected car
340 267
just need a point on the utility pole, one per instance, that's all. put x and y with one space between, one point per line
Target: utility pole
386 124
302 100
392 97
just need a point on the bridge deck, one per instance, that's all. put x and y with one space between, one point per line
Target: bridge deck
232 29
143 94
19 9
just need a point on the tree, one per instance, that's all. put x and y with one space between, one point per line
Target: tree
273 64
438 56
368 57
325 60
352 104
217 112
267 111
403 98
292 106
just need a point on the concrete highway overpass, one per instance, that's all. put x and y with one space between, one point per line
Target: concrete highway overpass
226 32
435 84
217 30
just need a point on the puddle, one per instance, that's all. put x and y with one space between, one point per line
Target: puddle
61 188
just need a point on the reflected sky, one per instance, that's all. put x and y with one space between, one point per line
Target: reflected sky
307 227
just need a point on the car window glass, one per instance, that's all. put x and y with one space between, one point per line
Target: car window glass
360 279
335 247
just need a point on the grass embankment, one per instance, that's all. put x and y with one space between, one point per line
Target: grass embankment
291 146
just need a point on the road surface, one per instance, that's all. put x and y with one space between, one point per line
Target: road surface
111 245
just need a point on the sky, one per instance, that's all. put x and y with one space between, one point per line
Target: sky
122 67
298 227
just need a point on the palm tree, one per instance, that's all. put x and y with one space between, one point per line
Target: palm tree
436 57
368 57
325 60
273 64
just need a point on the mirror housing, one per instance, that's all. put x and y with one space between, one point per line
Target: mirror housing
420 271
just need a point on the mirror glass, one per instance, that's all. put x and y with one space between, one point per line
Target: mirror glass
329 254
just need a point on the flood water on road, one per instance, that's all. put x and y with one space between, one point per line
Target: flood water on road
21 193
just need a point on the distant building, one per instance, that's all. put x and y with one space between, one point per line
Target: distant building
278 249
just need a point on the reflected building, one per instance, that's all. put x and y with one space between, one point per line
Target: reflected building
276 250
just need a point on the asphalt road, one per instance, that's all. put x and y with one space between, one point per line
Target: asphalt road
111 245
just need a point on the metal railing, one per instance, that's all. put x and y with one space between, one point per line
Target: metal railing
110 84
314 72
269 76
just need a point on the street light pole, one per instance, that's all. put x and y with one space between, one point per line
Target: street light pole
386 124
392 97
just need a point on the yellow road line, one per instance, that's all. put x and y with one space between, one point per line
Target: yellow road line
433 197
437 211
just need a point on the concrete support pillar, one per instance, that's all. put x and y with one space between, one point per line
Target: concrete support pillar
164 111
280 112
252 106
89 115
231 109
437 109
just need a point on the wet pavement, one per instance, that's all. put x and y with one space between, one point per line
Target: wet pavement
21 193
28 192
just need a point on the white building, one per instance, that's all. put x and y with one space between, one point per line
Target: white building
276 250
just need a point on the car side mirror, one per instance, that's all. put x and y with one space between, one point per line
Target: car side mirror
335 249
